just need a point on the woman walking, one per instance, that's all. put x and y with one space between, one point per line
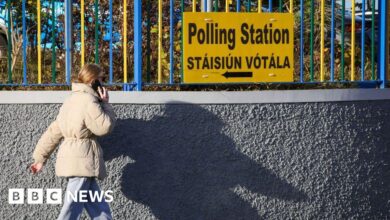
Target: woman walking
84 115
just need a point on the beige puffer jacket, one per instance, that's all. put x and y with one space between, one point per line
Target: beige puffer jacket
80 120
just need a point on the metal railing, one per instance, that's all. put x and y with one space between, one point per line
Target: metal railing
352 46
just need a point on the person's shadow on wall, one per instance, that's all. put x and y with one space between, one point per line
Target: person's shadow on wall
185 168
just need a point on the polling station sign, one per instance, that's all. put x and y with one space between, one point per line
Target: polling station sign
238 47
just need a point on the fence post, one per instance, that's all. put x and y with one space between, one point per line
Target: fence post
171 36
388 37
24 32
110 51
206 5
68 40
383 44
138 44
9 41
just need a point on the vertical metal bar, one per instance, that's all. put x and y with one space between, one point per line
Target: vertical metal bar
181 33
148 64
159 70
332 43
322 56
138 44
24 43
9 39
125 41
280 5
82 32
209 5
388 38
96 31
39 42
68 40
342 40
259 6
216 5
312 40
302 41
363 39
248 6
353 34
291 6
53 42
238 5
383 44
205 5
171 36
193 5
373 41
227 6
270 5
110 51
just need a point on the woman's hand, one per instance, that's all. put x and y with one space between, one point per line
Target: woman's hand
103 94
36 167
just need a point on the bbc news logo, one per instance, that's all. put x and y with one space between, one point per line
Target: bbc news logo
54 196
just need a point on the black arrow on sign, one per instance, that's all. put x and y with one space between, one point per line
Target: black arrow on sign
228 74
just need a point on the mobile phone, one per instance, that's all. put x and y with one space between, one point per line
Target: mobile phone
95 85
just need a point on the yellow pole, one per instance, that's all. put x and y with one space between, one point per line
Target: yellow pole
259 4
82 33
322 71
39 42
125 41
353 42
227 5
291 6
159 40
193 5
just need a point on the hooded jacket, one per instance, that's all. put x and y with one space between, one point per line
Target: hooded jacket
81 119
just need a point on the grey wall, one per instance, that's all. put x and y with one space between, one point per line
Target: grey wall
228 161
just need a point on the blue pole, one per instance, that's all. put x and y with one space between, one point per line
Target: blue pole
110 50
181 42
302 43
270 5
138 44
68 40
205 5
332 45
364 35
382 64
238 6
24 43
172 65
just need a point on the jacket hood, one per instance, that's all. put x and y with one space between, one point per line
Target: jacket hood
82 87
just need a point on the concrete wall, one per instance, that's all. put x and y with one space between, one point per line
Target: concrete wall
259 160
